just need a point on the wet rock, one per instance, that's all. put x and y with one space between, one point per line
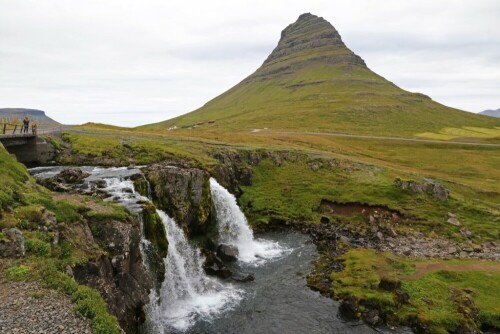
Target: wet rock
227 253
242 277
154 232
418 325
349 308
372 317
214 266
389 284
214 269
12 244
184 194
72 176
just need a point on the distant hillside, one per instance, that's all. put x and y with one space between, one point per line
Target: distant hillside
492 113
34 115
313 82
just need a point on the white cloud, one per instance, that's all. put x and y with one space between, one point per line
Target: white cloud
129 62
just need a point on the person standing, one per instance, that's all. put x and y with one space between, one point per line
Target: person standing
26 124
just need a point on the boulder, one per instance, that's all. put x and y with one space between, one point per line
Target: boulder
431 187
372 317
12 244
72 175
453 221
214 266
227 253
243 277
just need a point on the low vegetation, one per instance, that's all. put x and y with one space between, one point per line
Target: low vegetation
443 294
25 205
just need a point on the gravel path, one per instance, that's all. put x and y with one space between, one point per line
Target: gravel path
25 307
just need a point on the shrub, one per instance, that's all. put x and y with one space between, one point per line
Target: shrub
18 273
37 247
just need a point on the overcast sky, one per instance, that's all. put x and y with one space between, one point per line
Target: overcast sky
134 62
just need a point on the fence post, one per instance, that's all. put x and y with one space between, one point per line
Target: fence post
4 127
15 128
33 129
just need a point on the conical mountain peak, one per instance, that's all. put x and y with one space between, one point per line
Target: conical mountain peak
312 82
310 39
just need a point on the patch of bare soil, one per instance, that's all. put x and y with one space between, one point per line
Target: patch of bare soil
425 268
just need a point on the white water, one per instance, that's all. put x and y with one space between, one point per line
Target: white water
187 293
234 230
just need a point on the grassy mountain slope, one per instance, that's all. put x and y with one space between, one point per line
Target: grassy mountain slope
313 82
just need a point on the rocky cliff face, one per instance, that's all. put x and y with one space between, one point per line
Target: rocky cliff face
309 32
119 274
311 39
184 194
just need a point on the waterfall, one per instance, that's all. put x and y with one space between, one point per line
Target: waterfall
187 293
234 230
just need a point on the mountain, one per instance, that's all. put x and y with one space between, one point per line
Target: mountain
312 82
492 113
35 115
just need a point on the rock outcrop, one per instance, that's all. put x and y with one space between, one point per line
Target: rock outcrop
429 186
184 194
119 274
154 232
311 32
12 243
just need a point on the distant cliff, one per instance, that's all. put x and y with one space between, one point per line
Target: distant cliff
19 113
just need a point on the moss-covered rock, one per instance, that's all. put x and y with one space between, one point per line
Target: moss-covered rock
184 194
141 185
154 232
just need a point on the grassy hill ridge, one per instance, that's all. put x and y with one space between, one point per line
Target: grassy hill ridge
313 82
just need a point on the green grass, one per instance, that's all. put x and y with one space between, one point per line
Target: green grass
433 296
293 192
127 148
317 96
22 205
464 132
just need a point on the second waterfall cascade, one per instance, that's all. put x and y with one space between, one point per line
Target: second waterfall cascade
234 230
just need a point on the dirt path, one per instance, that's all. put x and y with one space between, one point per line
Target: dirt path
25 307
424 268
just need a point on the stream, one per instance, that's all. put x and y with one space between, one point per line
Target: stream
189 301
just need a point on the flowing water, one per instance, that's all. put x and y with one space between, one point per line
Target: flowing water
234 230
188 295
189 301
